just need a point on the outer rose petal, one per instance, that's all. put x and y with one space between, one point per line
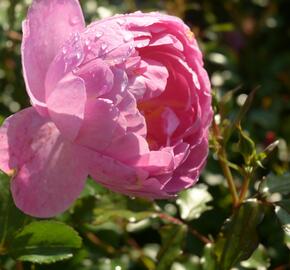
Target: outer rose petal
187 173
49 171
48 25
124 179
66 105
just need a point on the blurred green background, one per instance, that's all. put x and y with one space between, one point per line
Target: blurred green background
246 45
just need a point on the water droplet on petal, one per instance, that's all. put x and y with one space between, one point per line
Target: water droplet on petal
128 36
98 34
78 55
74 20
76 37
104 46
64 50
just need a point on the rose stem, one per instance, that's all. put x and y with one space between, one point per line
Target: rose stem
222 157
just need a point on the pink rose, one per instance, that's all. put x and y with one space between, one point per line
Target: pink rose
125 100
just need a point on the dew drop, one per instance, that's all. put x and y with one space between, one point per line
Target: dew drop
64 50
76 37
78 55
87 42
98 34
74 20
104 46
128 36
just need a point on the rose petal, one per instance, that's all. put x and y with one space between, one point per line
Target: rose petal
49 171
48 25
127 147
98 77
187 173
153 79
166 39
155 162
101 124
66 105
114 174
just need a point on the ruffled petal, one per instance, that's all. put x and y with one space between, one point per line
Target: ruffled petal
187 173
49 172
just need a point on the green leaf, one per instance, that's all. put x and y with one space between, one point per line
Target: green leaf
282 210
192 264
45 242
172 240
193 202
246 146
246 106
222 27
1 119
238 239
104 215
209 260
258 260
113 207
287 239
274 183
244 109
11 219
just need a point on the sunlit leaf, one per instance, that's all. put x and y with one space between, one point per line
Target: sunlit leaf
287 239
282 210
276 183
193 202
105 215
238 239
209 260
259 259
45 242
